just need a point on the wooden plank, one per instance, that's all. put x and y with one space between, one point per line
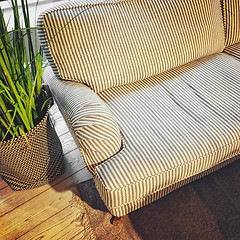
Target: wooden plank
3 184
70 223
4 188
74 168
50 206
61 226
47 212
12 200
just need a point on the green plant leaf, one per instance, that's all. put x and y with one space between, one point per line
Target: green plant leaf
13 136
21 70
25 136
45 102
10 124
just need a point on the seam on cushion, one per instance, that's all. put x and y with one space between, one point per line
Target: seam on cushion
118 152
85 5
148 177
223 13
231 54
148 195
236 57
123 146
93 150
230 46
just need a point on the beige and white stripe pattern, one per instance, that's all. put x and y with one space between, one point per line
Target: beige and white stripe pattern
233 50
175 125
162 128
95 128
231 18
111 43
147 199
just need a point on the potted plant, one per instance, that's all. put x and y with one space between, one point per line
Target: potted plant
30 151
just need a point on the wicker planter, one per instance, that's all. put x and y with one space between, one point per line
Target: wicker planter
25 168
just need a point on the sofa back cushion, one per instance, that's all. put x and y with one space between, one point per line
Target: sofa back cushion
109 43
231 14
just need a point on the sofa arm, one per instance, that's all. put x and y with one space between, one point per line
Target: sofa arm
89 119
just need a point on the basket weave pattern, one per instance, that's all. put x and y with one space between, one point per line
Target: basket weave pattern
23 167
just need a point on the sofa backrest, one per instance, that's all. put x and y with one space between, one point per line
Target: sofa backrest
231 16
104 44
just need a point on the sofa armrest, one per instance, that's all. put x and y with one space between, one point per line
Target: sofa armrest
89 119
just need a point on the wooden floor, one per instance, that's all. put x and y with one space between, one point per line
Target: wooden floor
51 211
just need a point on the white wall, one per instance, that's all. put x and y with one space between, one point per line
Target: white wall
33 10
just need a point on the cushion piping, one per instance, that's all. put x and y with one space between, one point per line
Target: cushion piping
143 179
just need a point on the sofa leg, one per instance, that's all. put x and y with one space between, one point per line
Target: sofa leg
115 220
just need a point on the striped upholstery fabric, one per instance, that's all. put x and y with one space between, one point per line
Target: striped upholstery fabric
103 44
95 128
176 125
233 50
231 17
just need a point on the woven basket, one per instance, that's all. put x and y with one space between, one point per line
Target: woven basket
23 167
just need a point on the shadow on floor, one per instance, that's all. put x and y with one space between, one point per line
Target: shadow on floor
208 208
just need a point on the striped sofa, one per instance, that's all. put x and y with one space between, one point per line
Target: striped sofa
150 90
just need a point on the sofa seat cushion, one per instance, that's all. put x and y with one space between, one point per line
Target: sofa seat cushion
175 125
233 50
